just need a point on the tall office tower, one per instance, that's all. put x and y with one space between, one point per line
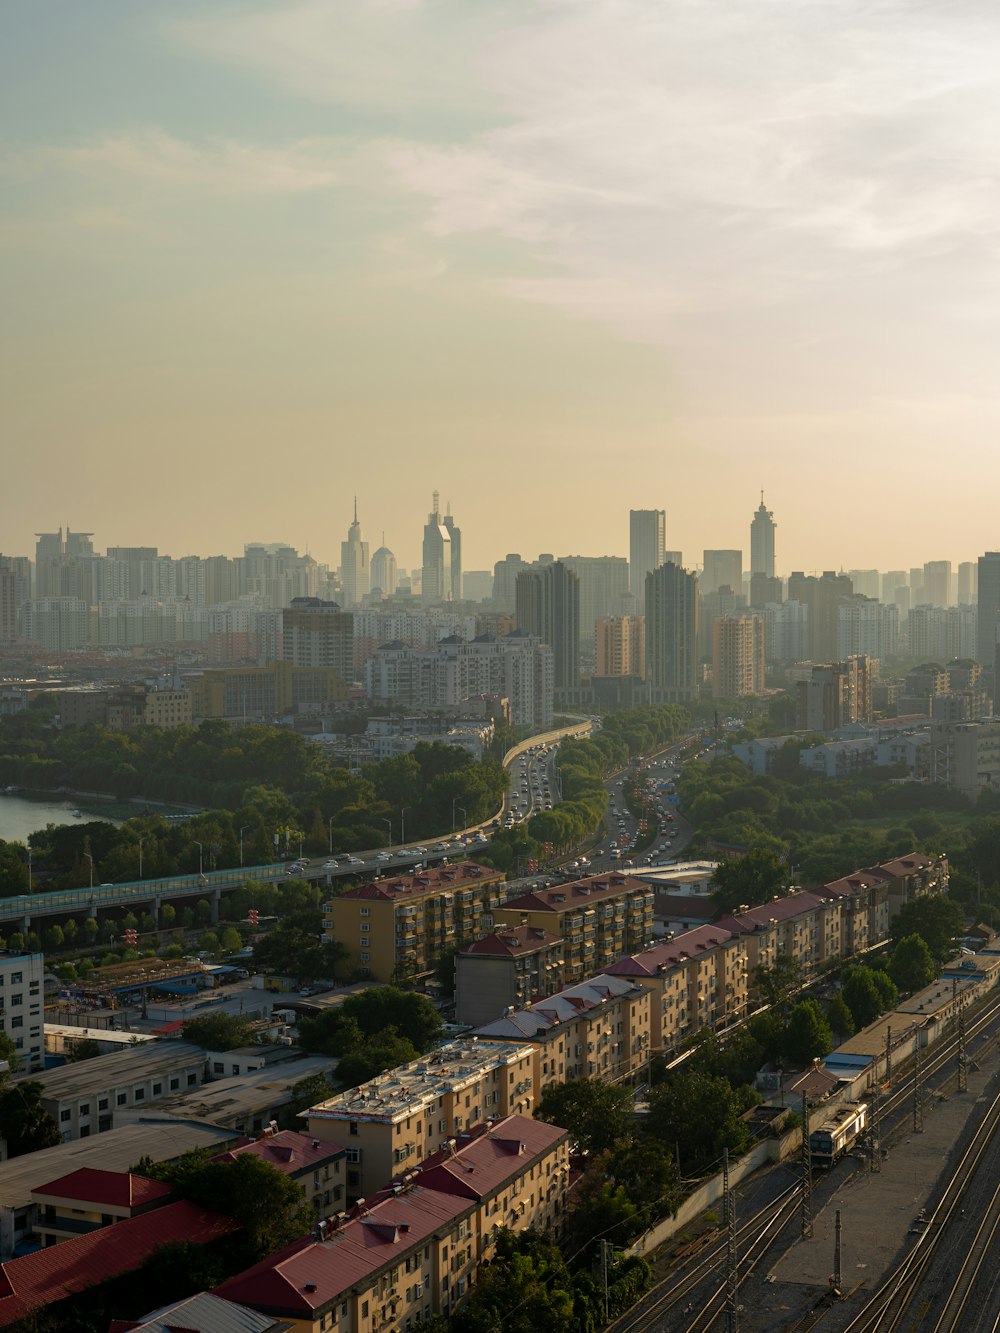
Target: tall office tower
822 596
355 571
222 580
867 628
437 580
764 591
385 573
319 634
737 656
988 602
505 574
895 578
547 606
721 569
620 646
8 604
762 531
937 583
132 557
604 581
455 533
967 583
867 582
672 634
786 634
647 531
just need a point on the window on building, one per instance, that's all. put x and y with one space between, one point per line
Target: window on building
352 1127
121 1099
17 1022
140 1094
157 1089
17 999
102 1104
85 1109
65 1116
192 1080
175 1083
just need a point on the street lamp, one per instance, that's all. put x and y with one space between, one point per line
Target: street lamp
402 824
30 888
141 841
201 858
329 823
90 860
388 824
242 831
465 817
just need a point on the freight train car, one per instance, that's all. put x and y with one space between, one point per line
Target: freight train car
838 1135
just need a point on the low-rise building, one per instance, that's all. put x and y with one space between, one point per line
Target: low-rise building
317 1166
85 1098
509 967
415 1250
598 920
90 1198
598 1029
696 980
913 876
21 1006
400 926
409 1112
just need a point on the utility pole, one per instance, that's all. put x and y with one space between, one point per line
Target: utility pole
807 1217
838 1269
888 1058
874 1139
732 1262
605 1247
963 1057
918 1088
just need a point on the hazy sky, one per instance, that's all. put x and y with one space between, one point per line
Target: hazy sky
557 259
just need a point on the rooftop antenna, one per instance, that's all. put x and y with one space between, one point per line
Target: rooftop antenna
355 509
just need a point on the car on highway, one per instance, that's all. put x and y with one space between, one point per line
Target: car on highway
385 856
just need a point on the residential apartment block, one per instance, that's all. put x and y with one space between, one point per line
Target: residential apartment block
400 926
414 1250
263 692
598 920
510 967
88 1199
411 1111
319 1167
599 1029
22 1006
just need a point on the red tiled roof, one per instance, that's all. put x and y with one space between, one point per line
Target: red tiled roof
508 941
778 909
289 1151
53 1274
564 897
309 1274
904 865
117 1189
489 1156
697 906
671 953
447 878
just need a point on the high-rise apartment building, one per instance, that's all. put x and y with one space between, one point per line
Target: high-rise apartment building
505 574
620 646
988 601
834 695
22 1002
647 547
937 583
604 581
893 580
737 656
786 632
442 560
823 596
866 582
672 634
765 591
355 570
721 569
967 583
319 634
762 531
867 628
8 604
547 606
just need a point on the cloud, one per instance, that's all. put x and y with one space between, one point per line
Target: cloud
218 167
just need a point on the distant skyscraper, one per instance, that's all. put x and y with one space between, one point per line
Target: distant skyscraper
547 606
604 580
355 570
720 568
967 583
647 544
442 565
385 575
318 634
988 601
937 582
672 634
762 531
737 656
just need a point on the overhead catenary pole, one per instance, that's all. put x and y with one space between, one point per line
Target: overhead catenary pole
806 1156
918 1086
838 1266
963 1055
732 1261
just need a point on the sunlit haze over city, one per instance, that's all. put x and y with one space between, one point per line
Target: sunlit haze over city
553 260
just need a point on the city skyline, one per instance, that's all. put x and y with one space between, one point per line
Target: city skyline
578 259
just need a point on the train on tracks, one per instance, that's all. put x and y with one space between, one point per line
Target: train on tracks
838 1135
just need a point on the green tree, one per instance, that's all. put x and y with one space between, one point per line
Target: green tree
937 920
219 1032
597 1115
775 984
230 941
526 1287
84 1049
911 966
379 1053
887 993
700 1115
807 1036
861 995
411 1015
749 880
307 1092
25 1125
8 1053
840 1018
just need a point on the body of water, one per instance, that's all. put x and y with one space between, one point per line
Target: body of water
21 815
